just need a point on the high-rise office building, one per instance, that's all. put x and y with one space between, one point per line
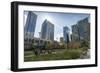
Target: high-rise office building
66 34
75 33
47 30
81 31
29 28
84 29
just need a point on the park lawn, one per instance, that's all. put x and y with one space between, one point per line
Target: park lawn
66 55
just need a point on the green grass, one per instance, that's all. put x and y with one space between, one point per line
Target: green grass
66 55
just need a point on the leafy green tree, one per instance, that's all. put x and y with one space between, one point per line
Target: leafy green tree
49 45
85 43
63 46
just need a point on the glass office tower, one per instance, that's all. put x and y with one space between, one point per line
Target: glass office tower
81 31
47 30
29 28
66 34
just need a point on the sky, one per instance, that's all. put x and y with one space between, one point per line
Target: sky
58 19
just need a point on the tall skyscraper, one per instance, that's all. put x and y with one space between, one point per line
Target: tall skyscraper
75 33
47 30
29 28
81 31
84 29
66 34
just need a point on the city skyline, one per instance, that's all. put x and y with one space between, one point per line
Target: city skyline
59 20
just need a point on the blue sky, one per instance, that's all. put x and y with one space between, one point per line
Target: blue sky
58 19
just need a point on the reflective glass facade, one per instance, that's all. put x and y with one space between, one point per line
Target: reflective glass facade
66 34
29 28
47 30
81 31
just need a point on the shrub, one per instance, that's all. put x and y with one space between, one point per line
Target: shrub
73 45
85 43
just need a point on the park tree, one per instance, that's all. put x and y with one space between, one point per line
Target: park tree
73 45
